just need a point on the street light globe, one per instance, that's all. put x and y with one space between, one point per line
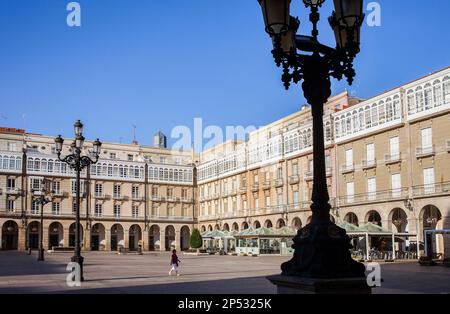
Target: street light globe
79 141
349 13
97 146
276 15
59 143
78 126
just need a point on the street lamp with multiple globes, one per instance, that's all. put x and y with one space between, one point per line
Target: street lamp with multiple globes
78 163
42 200
321 247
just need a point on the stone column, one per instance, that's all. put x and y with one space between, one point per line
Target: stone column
66 237
177 240
144 241
162 240
126 238
45 235
22 238
87 240
108 240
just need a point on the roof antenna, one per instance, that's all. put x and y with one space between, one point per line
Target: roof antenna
134 135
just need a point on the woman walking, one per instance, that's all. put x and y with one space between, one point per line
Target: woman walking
174 262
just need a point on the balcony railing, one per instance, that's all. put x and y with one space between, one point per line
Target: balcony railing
243 189
374 196
367 164
294 179
187 200
425 151
138 198
74 194
101 196
392 158
309 175
279 182
119 197
431 189
156 198
266 185
347 168
255 187
13 191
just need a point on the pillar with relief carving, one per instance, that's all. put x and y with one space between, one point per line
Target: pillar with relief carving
162 239
108 240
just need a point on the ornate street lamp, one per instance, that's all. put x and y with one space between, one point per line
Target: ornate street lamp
42 200
321 247
78 163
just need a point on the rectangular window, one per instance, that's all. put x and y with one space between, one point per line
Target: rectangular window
135 211
371 188
35 184
370 153
268 201
112 156
98 210
117 211
74 208
256 202
295 199
74 187
396 185
130 157
280 199
169 192
350 191
98 189
255 178
427 141
280 173
394 147
135 192
11 184
294 169
154 191
56 206
34 207
349 158
170 211
244 204
117 190
428 180
56 187
10 206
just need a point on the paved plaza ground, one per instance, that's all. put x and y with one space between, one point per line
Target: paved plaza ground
107 272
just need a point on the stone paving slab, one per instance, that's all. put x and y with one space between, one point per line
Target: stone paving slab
107 272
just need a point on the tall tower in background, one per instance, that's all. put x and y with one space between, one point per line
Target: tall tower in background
160 140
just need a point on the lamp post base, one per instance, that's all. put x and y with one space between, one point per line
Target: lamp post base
40 255
302 285
79 260
322 250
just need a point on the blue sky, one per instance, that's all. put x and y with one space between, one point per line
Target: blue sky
158 64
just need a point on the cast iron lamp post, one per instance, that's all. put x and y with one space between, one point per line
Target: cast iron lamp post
321 247
78 163
42 200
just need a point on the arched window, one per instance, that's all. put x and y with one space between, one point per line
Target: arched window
446 87
368 117
355 121
410 102
389 110
362 121
419 99
397 110
337 126
437 93
348 123
381 112
428 97
18 163
374 115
